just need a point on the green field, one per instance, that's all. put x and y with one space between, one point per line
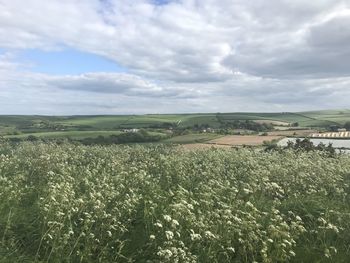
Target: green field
73 203
66 134
192 138
82 126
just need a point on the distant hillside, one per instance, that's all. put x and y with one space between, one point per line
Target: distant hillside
16 125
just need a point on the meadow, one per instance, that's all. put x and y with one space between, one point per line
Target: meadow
192 138
69 203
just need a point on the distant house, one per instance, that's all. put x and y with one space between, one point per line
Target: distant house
342 130
208 130
131 130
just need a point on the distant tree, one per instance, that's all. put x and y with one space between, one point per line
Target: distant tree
347 126
321 146
330 149
334 128
305 144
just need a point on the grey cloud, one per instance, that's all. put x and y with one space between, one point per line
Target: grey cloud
204 55
189 41
317 48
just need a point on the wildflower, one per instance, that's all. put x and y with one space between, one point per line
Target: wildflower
333 227
231 249
166 254
322 221
158 225
287 242
273 184
327 253
195 236
246 191
152 237
174 223
334 249
167 218
169 235
209 234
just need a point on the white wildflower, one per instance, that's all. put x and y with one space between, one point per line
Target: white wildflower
231 249
167 218
158 225
169 235
174 223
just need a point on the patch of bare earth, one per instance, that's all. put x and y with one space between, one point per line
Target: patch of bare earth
301 133
240 140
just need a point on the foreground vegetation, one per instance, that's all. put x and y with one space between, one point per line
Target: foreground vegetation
66 203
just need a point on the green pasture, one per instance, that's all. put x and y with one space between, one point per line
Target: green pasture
192 138
82 126
66 134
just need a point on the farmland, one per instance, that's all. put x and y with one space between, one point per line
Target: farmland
171 128
67 134
192 138
237 140
69 203
110 122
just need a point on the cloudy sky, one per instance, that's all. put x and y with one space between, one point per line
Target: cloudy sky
62 57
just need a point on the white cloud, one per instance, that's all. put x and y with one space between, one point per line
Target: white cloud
203 55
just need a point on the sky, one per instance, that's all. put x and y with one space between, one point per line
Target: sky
76 57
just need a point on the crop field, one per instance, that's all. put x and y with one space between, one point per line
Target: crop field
298 132
68 203
192 138
240 140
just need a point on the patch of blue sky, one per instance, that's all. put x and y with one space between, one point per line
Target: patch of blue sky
66 62
3 51
162 2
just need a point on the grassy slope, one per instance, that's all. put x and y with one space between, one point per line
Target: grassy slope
66 134
109 123
192 138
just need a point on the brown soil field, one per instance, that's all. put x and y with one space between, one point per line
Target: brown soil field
292 133
240 140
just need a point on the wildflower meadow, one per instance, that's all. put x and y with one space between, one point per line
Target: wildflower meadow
69 203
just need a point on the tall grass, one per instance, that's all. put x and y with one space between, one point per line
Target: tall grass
66 203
